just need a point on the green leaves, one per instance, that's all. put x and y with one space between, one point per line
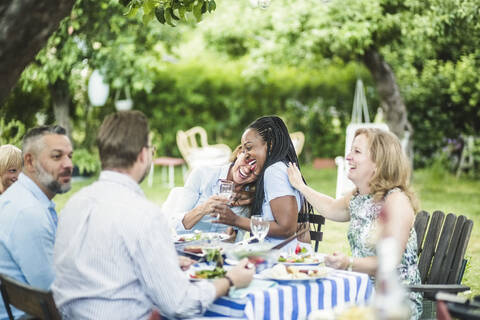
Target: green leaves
214 255
170 11
197 10
160 14
11 132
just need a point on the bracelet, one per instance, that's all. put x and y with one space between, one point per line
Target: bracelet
350 264
230 281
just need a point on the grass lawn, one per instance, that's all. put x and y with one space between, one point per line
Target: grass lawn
436 191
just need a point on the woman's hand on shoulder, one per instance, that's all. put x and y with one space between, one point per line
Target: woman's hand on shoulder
295 176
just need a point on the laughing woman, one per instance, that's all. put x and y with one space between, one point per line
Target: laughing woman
267 147
380 171
193 206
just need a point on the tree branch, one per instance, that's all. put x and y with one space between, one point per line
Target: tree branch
25 26
390 97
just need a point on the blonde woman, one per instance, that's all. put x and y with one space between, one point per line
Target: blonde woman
10 165
381 172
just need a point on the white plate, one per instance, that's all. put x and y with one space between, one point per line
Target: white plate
275 274
204 249
200 236
200 267
256 249
317 258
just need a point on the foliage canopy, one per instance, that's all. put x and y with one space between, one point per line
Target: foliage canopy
299 59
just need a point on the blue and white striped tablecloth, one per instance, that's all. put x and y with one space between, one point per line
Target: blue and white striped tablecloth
297 300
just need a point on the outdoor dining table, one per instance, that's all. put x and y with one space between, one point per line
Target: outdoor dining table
292 299
296 299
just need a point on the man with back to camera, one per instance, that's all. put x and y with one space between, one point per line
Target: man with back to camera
114 253
28 220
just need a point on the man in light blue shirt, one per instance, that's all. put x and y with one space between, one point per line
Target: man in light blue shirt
28 220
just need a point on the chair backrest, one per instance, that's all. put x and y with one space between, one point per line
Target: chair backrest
35 302
316 233
298 140
420 225
196 151
442 251
193 138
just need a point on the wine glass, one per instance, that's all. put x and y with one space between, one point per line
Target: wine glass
259 227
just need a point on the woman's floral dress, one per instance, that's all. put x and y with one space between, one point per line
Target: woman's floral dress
362 235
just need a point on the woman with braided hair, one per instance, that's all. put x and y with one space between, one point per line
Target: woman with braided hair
268 148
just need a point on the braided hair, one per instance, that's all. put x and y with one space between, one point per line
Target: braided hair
280 147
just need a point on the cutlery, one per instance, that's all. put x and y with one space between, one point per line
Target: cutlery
287 240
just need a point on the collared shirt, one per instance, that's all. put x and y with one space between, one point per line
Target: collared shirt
28 223
201 184
115 258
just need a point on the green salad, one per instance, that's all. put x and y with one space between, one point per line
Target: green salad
209 274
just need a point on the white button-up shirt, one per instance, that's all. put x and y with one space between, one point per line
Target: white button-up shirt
114 257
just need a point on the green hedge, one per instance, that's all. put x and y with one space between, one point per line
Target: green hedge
225 97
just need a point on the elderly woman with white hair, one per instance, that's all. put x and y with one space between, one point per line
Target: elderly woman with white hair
10 165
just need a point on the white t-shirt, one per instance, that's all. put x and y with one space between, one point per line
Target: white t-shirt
276 184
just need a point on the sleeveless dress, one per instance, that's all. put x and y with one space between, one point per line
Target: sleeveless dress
362 233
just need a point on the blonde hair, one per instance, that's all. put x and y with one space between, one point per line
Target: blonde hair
392 165
235 153
10 157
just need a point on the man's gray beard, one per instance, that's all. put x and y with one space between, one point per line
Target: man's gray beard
49 182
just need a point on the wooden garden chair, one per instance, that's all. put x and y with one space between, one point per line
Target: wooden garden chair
194 147
441 250
35 302
316 234
298 140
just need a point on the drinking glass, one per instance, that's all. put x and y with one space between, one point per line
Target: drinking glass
259 227
225 190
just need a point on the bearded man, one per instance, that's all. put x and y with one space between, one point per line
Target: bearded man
28 220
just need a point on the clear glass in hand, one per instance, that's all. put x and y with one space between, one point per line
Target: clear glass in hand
225 189
259 227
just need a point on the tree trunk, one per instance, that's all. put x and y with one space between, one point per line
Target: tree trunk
61 104
25 26
390 97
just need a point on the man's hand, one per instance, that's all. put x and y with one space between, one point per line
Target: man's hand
185 262
242 275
